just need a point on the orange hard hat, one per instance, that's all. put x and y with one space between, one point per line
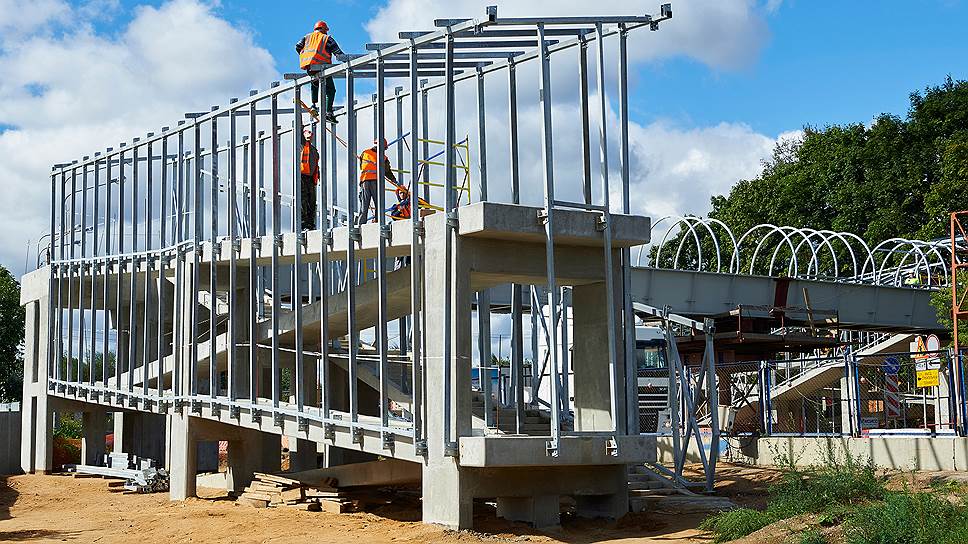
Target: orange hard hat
321 25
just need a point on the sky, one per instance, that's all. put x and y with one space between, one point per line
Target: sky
711 92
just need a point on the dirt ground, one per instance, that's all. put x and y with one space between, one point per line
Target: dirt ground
54 508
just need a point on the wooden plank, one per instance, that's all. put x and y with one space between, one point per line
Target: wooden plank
335 507
273 478
308 506
292 494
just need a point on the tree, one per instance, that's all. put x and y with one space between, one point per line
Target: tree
11 338
899 177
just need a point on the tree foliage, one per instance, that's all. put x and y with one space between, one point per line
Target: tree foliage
897 177
11 338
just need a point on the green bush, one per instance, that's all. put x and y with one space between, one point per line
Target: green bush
734 524
821 488
69 426
908 518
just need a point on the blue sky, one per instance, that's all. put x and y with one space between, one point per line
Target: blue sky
712 91
823 62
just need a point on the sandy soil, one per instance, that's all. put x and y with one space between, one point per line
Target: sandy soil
50 508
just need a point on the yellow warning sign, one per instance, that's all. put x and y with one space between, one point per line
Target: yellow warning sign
928 378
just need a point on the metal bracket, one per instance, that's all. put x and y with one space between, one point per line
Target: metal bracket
611 447
277 241
196 407
551 448
452 220
357 435
451 449
256 415
237 245
355 235
257 243
386 233
420 448
327 239
302 424
302 238
278 419
542 217
419 227
133 402
216 409
601 222
235 412
329 431
387 440
217 248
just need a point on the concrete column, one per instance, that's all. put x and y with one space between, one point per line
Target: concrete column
37 423
141 434
252 451
538 510
845 408
93 446
183 455
446 497
612 505
592 388
302 455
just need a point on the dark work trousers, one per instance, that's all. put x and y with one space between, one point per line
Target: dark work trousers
367 194
330 93
308 202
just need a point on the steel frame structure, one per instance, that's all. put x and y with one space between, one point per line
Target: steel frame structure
799 252
167 209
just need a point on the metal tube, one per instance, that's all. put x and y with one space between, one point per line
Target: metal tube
106 273
484 297
276 242
352 233
72 366
607 234
381 259
416 267
297 147
95 268
213 375
547 153
631 389
449 442
517 328
255 283
162 267
82 268
149 262
425 136
325 242
133 284
179 234
585 128
235 246
196 187
401 180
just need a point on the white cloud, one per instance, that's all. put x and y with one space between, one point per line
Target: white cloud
724 34
68 91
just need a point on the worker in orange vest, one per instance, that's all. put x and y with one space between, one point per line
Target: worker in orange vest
309 170
318 47
368 181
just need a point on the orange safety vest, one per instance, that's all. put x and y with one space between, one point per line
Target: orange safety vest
307 166
368 165
314 51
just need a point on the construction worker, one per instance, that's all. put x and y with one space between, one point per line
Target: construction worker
318 47
368 181
400 211
309 170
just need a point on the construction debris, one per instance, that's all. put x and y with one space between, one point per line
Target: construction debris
140 474
269 490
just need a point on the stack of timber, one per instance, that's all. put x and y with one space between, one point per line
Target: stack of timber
269 490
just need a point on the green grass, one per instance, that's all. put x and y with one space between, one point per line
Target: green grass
906 517
735 524
850 494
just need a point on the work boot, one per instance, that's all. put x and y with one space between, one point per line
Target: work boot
331 117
